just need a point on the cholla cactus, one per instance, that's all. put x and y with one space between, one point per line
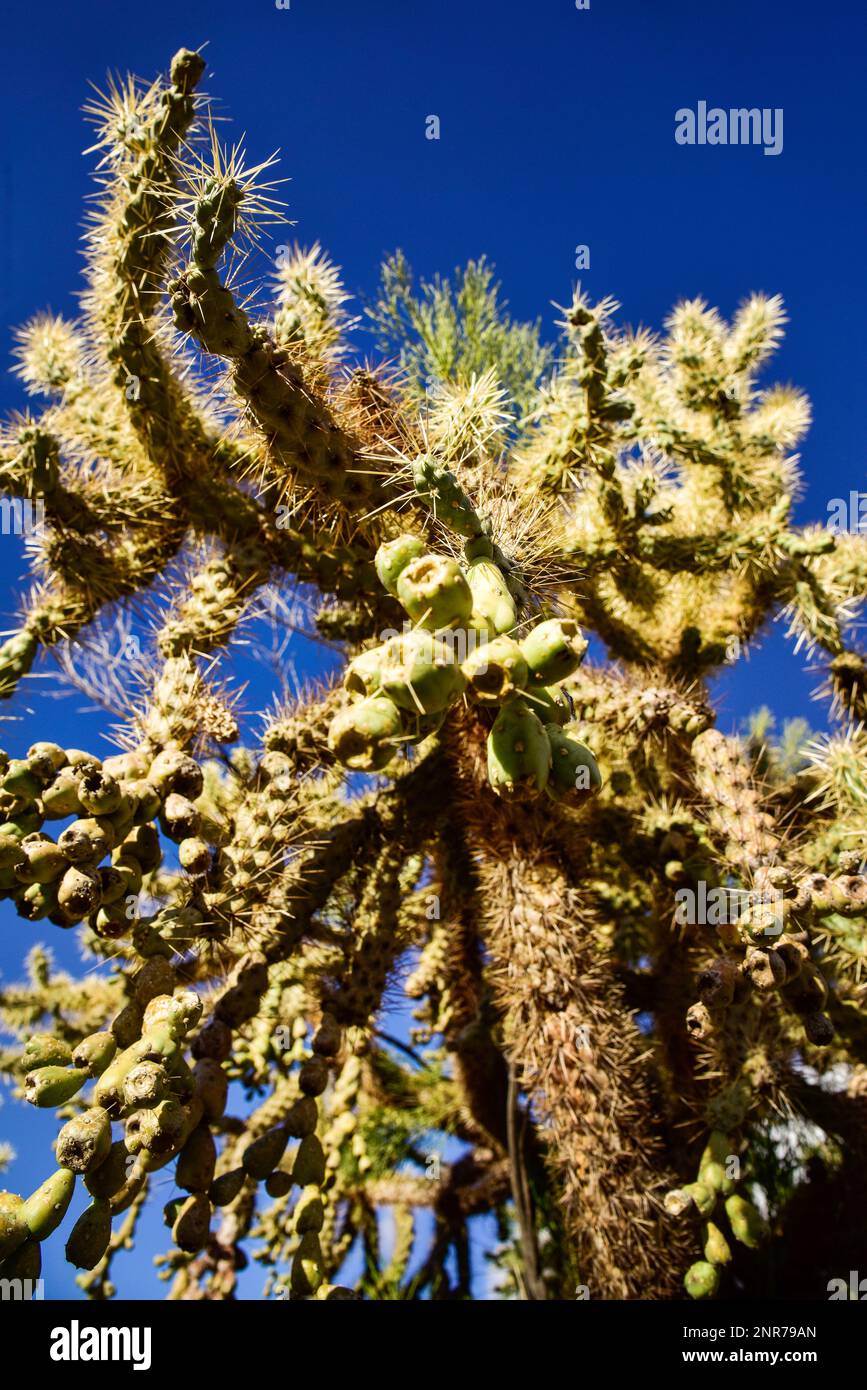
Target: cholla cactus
635 943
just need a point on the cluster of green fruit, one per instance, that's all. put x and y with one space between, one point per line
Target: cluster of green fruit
715 1182
115 804
169 1109
462 643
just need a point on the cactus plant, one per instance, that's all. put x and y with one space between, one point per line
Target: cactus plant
468 796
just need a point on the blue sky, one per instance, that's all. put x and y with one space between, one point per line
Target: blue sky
557 129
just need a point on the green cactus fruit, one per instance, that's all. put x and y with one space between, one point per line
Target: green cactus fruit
192 1225
125 767
419 673
746 1222
307 1271
40 861
701 1280
143 845
13 1226
100 795
126 1026
23 823
37 901
703 1197
44 1050
495 671
313 1076
94 1053
156 977
46 759
519 754
392 558
179 818
328 1036
301 1118
194 855
25 1263
85 841
10 854
89 1237
61 798
226 1187
575 774
143 800
52 1086
177 1013
418 727
553 650
46 1207
159 1129
435 593
309 1165
197 1161
78 894
365 736
279 1183
21 782
212 1087
716 1247
108 1179
84 1141
173 771
309 1214
493 608
171 1209
262 1155
152 1047
479 547
361 676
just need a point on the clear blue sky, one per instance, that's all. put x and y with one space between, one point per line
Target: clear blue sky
557 128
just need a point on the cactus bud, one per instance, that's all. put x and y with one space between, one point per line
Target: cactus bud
307 1266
